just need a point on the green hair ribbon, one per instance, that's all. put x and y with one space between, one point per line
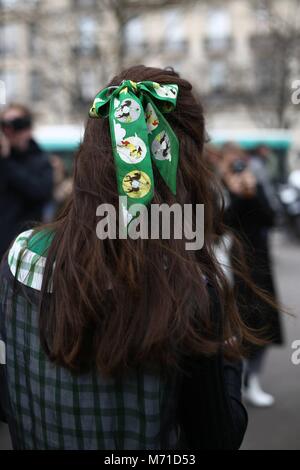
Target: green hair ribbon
140 135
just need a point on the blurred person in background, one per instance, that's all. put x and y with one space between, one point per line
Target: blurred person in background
26 179
264 165
251 216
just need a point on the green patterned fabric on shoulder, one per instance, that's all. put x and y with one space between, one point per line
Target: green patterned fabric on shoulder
27 257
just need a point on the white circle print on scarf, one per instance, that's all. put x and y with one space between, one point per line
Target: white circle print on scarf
132 149
128 111
151 118
166 91
161 147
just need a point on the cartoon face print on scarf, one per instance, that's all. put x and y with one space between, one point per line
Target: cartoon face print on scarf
166 91
161 147
151 118
136 184
128 111
132 149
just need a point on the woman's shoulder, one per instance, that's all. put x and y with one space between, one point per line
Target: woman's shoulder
27 256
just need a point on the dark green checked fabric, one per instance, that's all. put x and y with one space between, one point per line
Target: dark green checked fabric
48 407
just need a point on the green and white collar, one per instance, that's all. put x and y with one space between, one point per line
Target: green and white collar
27 257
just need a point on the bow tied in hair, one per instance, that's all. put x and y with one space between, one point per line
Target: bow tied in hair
140 135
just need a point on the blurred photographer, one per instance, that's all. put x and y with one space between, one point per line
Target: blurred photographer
251 216
236 173
26 179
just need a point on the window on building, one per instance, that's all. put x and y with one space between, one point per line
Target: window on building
87 33
11 4
2 93
217 75
262 12
36 86
174 34
11 84
85 3
262 17
9 39
88 84
34 40
219 30
266 64
134 36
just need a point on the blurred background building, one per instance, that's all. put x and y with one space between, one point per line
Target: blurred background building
56 54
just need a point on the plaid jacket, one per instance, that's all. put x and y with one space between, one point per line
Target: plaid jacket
49 408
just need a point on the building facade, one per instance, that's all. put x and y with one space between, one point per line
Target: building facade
55 55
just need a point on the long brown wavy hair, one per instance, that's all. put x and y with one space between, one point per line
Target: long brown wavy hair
118 304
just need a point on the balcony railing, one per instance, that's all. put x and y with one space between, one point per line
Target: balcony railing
86 51
218 45
85 3
176 47
136 49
